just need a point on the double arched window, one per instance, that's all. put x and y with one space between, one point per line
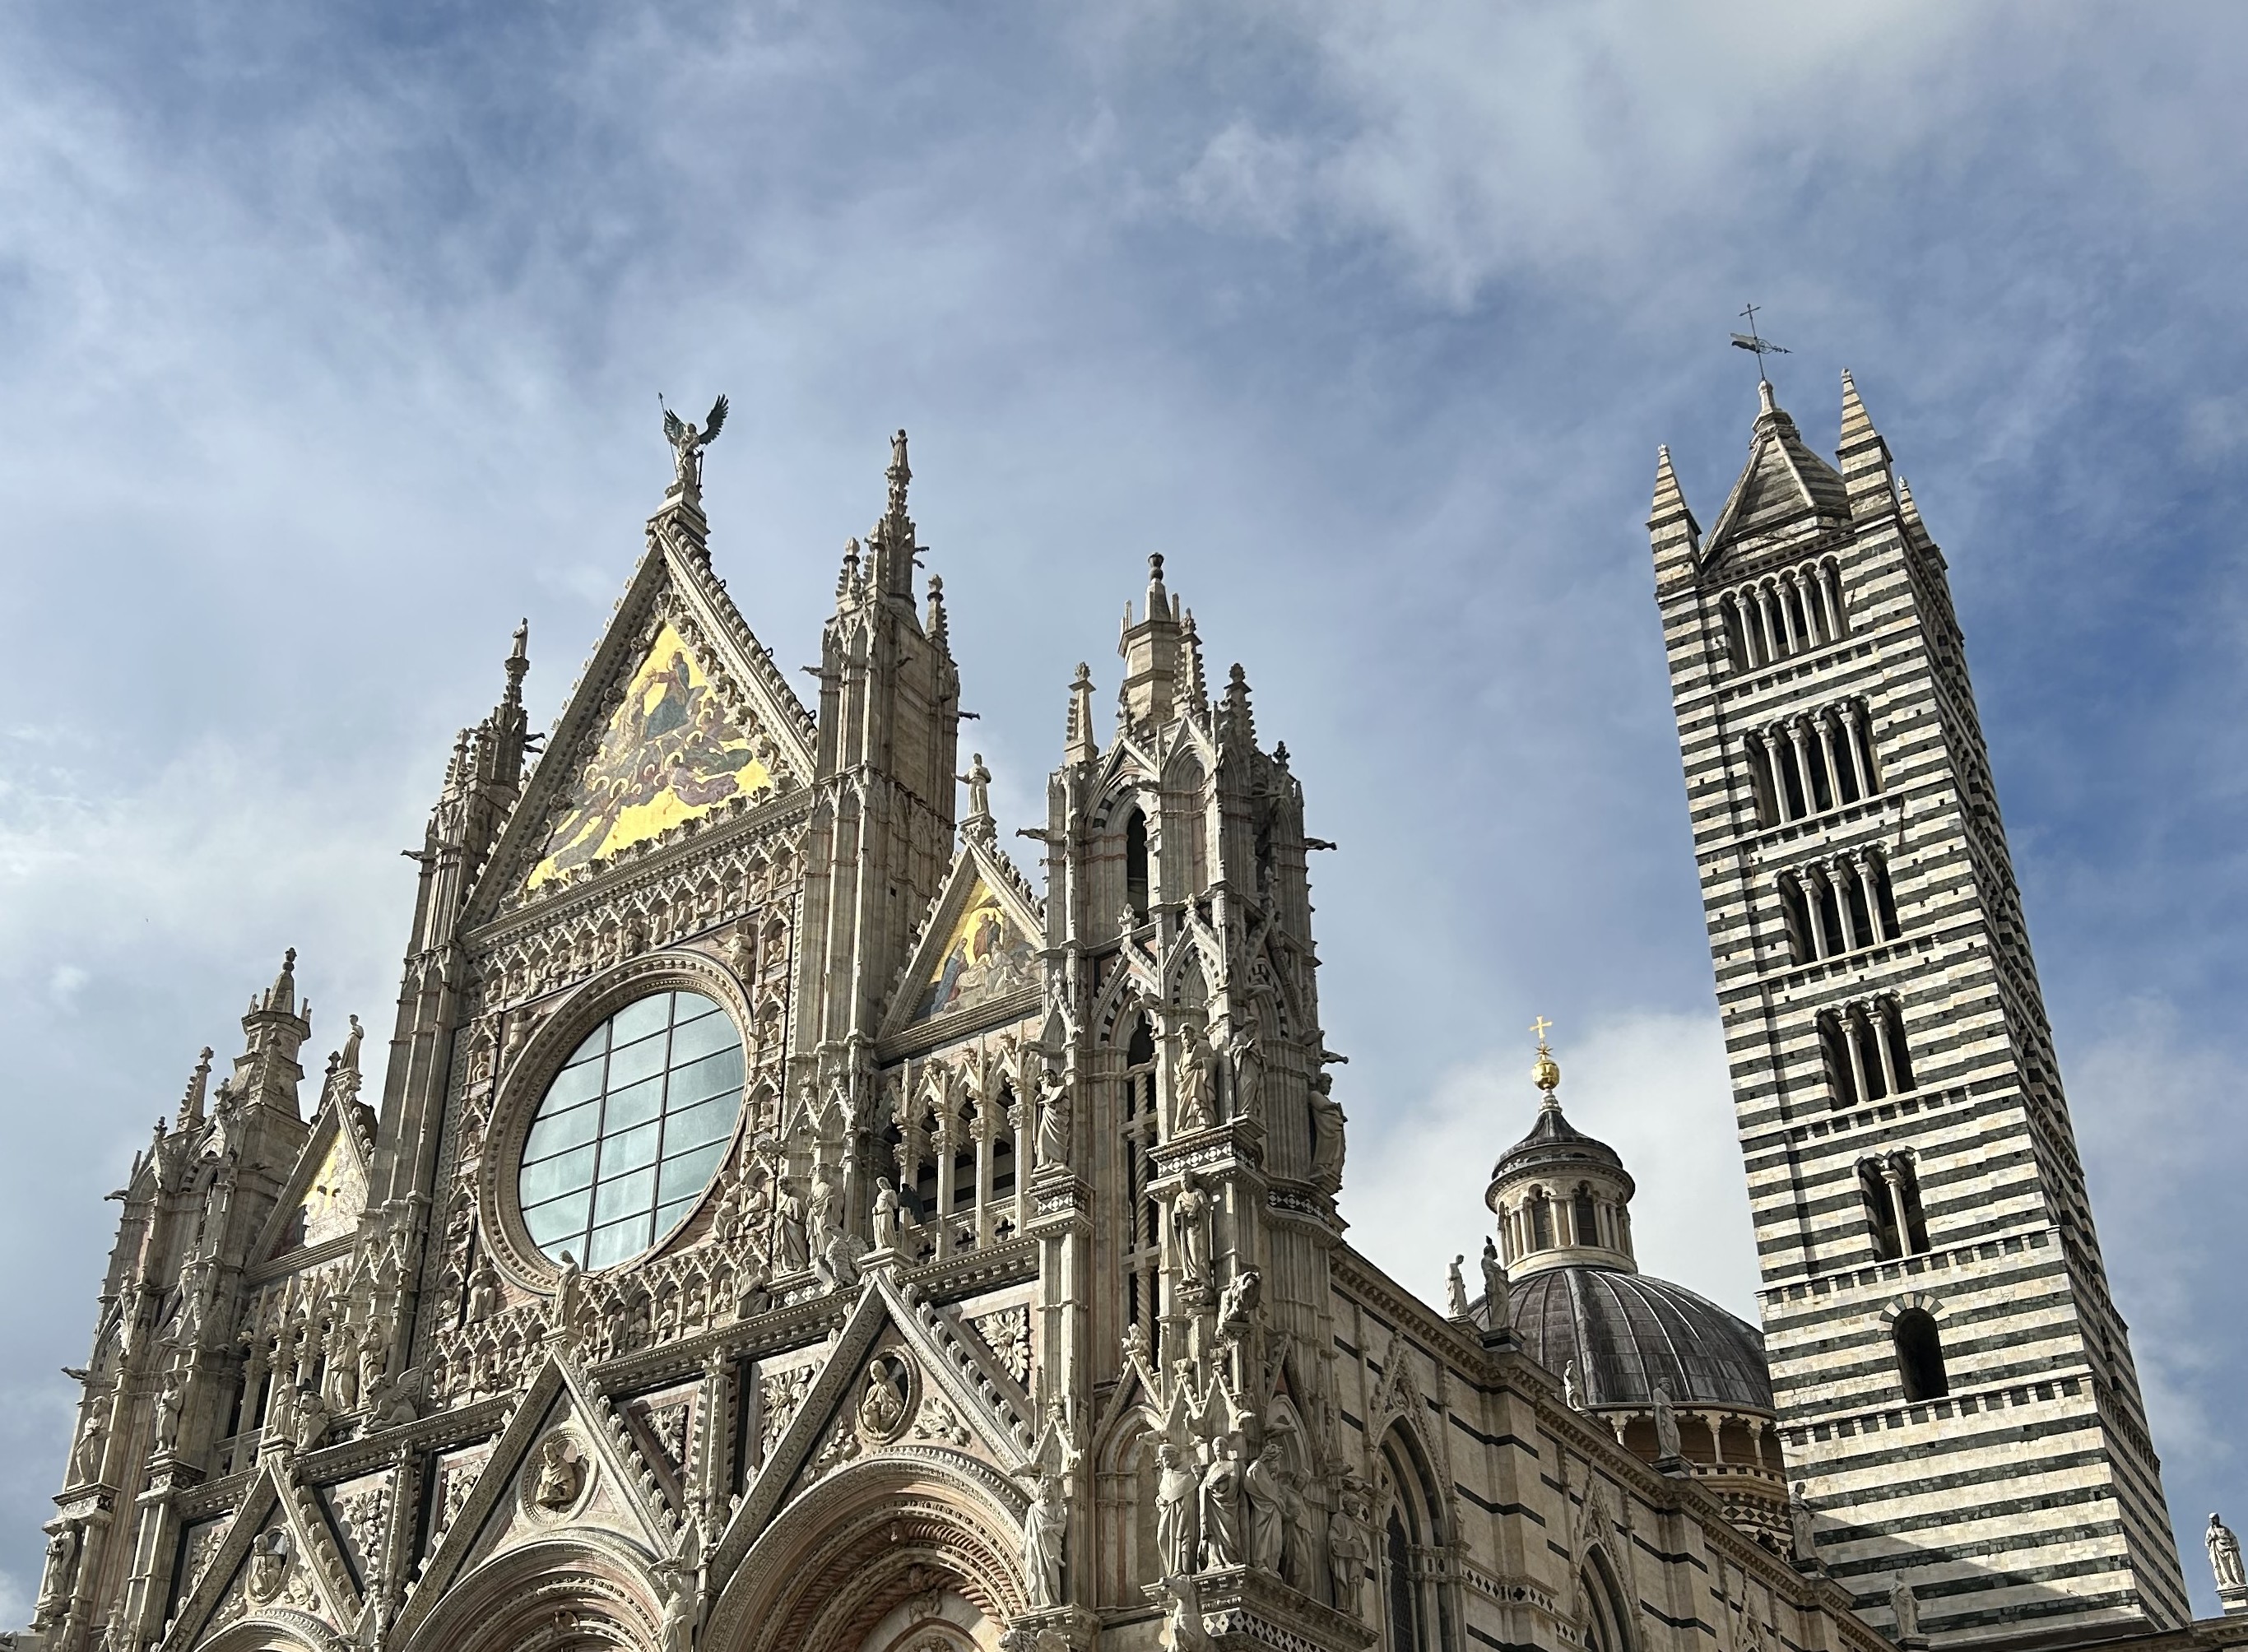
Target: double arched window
1889 1187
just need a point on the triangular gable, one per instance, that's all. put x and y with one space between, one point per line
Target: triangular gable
559 1403
1782 481
679 712
980 945
245 1579
326 1193
983 1403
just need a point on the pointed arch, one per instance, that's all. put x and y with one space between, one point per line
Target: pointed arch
1412 1538
1601 1600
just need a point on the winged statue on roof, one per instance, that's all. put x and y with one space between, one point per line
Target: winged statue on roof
688 441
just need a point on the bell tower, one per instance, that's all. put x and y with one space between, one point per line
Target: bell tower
1955 1385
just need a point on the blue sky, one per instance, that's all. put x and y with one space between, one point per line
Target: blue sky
330 340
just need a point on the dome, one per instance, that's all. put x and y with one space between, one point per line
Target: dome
1630 1334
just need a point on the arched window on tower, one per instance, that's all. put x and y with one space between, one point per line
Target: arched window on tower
1135 862
1920 1355
1585 1216
1881 1211
1541 1221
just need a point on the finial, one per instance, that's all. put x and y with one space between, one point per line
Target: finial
1077 739
191 1105
1546 1074
1761 347
519 663
938 630
1157 599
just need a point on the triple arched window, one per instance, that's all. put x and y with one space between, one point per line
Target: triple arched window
1841 904
1864 1045
1783 614
1812 762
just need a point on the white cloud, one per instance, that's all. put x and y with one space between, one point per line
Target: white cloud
1651 1085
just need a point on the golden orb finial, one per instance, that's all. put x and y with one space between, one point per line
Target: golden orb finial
1547 1075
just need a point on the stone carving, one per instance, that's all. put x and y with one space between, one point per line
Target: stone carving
59 1578
1350 1548
312 1420
790 1241
86 1462
1190 1085
1007 1333
1239 1306
1268 1513
1045 1529
1904 1609
1053 1120
1178 1530
779 1396
1497 1301
1220 1508
1328 1142
886 1404
886 1214
842 1447
1183 1629
560 1477
168 1406
1455 1290
1190 1231
1666 1427
2224 1555
688 441
268 1573
938 1420
1573 1393
1801 1531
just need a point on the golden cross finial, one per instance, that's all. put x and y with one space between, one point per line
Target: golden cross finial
1539 1027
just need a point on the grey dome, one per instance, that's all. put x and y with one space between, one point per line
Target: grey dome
1554 1145
1630 1334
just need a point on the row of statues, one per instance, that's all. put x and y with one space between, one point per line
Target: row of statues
1221 1506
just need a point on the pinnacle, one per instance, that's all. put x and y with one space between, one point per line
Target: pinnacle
1857 427
1670 498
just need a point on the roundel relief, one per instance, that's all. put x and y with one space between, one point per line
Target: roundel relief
886 1403
555 1479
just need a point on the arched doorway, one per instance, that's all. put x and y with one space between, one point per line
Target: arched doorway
914 1551
588 1591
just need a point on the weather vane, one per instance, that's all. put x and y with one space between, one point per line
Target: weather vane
1760 347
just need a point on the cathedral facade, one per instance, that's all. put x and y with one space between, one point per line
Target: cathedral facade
785 1221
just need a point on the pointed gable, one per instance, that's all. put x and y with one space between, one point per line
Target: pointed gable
327 1192
680 714
979 947
1783 483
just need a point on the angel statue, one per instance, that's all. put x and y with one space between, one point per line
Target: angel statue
688 441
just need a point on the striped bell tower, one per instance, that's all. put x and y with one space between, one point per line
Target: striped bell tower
1955 1386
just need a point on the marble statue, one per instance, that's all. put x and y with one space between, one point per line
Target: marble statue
1177 1530
1043 1530
1220 1509
1268 1512
1455 1290
1350 1548
1666 1426
561 1477
1190 1230
1904 1607
2224 1555
1191 1084
688 441
1498 1300
1328 1142
886 1214
1801 1532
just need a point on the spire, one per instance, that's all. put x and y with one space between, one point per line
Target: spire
1783 485
938 632
1864 458
282 995
1078 744
848 577
191 1105
899 474
1197 690
1150 650
1671 529
1239 722
890 546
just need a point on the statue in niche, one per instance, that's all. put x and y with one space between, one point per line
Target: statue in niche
1044 1529
795 1249
1328 1141
1054 1119
2224 1555
1220 1508
1247 1060
561 1477
886 1214
1190 1084
86 1463
169 1404
569 1297
1177 1530
312 1420
1268 1510
1350 1548
1498 1300
1296 1556
819 1206
1190 1231
58 1582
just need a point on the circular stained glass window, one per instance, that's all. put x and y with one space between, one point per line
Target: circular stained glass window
632 1129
